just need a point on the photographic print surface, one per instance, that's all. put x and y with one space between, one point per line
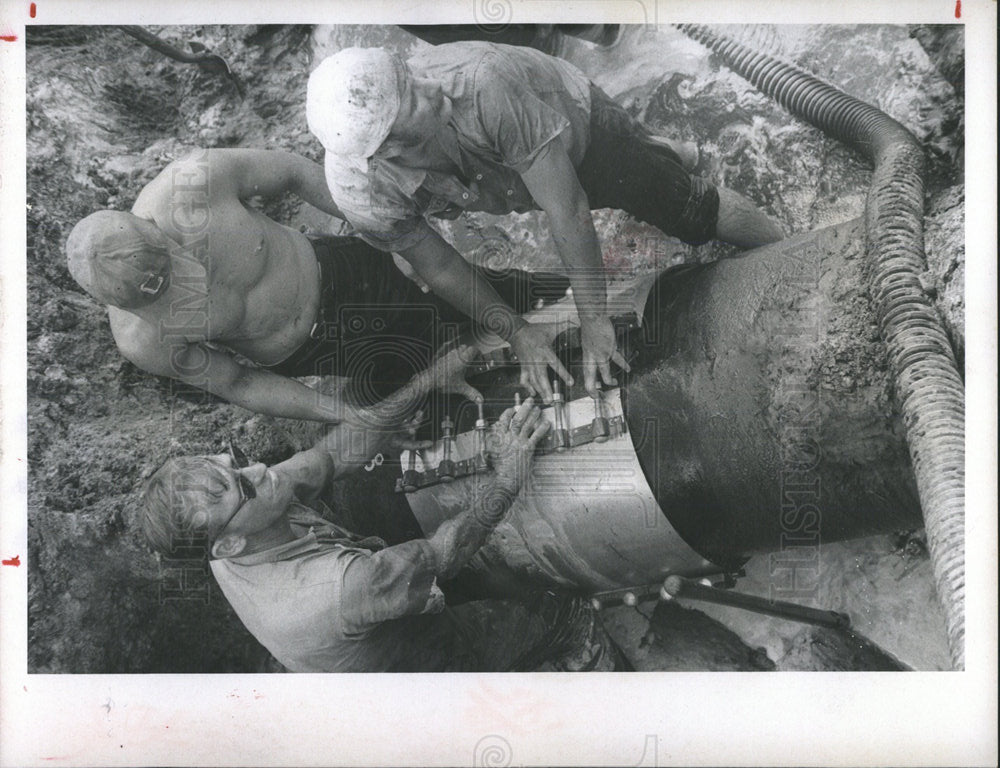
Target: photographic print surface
110 110
767 484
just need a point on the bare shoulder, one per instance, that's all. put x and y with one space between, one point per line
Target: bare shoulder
190 173
153 198
139 341
154 201
218 162
179 198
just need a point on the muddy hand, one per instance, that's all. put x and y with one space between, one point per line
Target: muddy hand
513 440
448 373
532 348
600 349
403 438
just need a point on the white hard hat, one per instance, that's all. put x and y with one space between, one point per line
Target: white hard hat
353 99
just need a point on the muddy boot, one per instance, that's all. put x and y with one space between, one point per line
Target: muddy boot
590 648
575 642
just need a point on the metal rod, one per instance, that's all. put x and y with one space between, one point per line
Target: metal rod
677 586
560 432
480 435
411 478
599 426
446 467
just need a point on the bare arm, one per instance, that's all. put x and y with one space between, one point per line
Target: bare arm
451 278
400 580
350 444
270 173
512 444
218 372
371 428
553 184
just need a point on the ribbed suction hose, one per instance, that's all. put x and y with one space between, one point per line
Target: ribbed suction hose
928 384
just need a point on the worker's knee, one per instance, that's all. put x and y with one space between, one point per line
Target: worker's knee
687 151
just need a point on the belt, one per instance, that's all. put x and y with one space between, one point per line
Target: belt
318 330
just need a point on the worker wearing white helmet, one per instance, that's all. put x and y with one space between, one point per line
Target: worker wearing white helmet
476 126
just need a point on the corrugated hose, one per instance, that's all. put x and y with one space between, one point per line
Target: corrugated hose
929 387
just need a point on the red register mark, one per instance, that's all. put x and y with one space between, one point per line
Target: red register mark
15 561
31 10
958 9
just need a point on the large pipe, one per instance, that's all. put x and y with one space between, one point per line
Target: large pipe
759 420
928 383
759 405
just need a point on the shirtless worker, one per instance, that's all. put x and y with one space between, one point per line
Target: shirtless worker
193 275
477 126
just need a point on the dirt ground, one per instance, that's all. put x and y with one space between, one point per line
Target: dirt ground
106 114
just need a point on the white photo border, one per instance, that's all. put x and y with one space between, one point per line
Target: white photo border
684 718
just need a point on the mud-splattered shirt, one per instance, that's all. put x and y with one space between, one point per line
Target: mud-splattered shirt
330 601
508 103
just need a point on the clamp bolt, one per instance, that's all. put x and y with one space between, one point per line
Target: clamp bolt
599 426
411 478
